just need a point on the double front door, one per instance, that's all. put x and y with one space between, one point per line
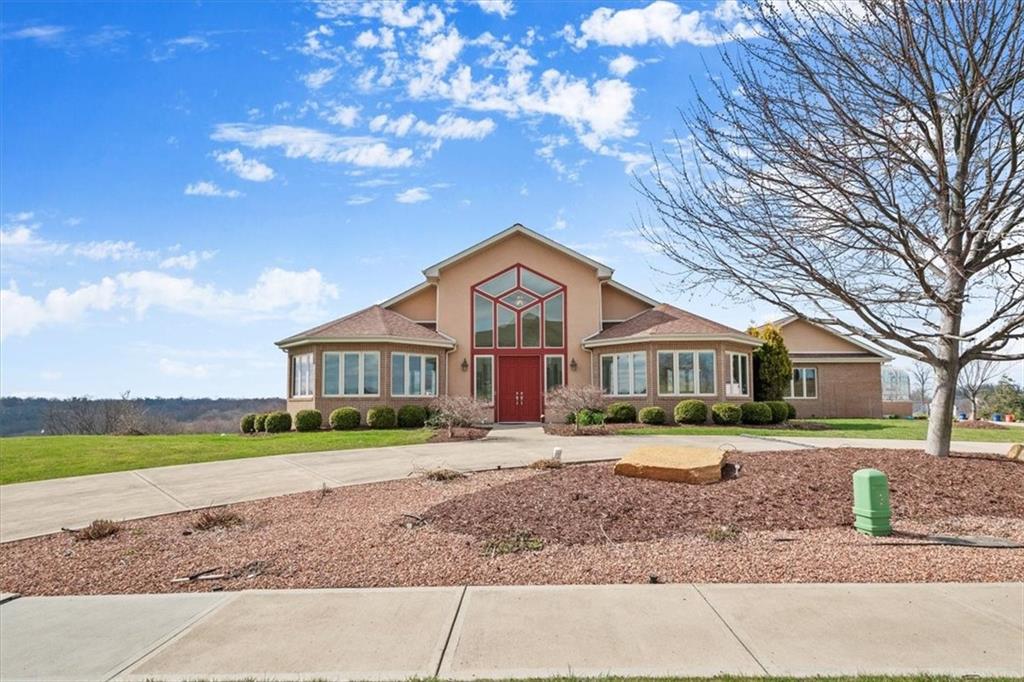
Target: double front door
519 392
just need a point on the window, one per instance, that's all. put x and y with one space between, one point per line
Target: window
738 383
483 381
506 328
554 371
624 374
553 325
483 322
352 373
804 383
500 284
687 372
413 374
302 375
536 283
531 327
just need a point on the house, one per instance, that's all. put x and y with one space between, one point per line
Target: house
507 320
833 375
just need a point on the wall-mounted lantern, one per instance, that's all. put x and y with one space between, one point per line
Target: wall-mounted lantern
573 365
465 365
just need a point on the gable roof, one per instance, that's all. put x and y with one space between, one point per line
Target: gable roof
375 323
668 323
631 292
603 271
845 337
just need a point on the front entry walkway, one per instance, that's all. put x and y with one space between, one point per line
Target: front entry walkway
41 507
528 631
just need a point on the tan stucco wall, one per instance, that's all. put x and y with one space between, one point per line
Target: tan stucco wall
844 390
618 305
583 298
803 337
420 307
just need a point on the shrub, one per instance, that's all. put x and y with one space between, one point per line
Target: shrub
382 417
726 414
344 418
756 413
620 413
547 463
772 367
308 420
248 423
652 415
587 417
278 422
259 423
216 518
790 411
450 411
780 410
572 399
691 412
444 475
412 416
98 529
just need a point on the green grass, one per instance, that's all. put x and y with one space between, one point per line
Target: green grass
901 429
35 458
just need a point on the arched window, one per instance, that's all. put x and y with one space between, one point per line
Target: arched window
518 309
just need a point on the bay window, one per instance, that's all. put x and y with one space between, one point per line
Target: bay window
803 384
352 373
302 375
738 382
686 372
413 375
624 374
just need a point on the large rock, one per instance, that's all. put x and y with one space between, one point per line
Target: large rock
670 463
1016 452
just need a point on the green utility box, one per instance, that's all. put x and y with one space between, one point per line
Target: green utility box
871 511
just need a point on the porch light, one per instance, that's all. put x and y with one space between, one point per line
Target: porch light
465 365
572 364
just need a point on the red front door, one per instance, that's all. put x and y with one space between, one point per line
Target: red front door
519 388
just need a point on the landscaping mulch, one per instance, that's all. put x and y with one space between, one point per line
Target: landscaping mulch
979 424
459 434
612 429
785 519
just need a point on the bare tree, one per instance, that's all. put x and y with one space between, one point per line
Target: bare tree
921 378
451 411
563 401
973 378
863 171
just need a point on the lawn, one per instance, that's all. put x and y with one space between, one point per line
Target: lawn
35 458
901 429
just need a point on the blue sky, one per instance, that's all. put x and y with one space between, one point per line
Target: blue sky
184 184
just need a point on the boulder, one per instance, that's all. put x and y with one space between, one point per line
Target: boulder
1016 452
673 463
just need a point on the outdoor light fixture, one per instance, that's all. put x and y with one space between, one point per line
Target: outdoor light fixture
465 365
572 364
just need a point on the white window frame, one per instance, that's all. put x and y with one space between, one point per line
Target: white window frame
341 374
423 368
561 361
311 376
734 389
696 372
803 381
476 369
612 391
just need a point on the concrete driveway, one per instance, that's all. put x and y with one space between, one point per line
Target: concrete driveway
41 507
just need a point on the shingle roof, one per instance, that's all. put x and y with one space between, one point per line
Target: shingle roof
374 322
665 320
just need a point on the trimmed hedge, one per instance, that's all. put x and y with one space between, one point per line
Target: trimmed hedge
259 423
248 423
382 417
587 417
308 420
344 418
791 414
412 416
726 414
756 413
652 415
691 412
278 422
620 413
780 410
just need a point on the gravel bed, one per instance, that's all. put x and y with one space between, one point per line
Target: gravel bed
419 532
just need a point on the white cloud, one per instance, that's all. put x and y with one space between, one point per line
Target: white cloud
622 65
21 314
170 48
503 8
319 78
178 368
399 127
247 169
109 250
661 21
21 239
205 188
297 142
385 39
45 34
428 19
342 115
560 222
451 127
186 261
413 195
359 200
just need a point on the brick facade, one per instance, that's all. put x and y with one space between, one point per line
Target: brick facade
844 390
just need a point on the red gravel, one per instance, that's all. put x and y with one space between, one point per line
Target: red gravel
357 536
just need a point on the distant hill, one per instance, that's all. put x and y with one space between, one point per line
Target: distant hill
27 416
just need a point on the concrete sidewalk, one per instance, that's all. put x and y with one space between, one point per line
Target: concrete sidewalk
494 632
41 507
